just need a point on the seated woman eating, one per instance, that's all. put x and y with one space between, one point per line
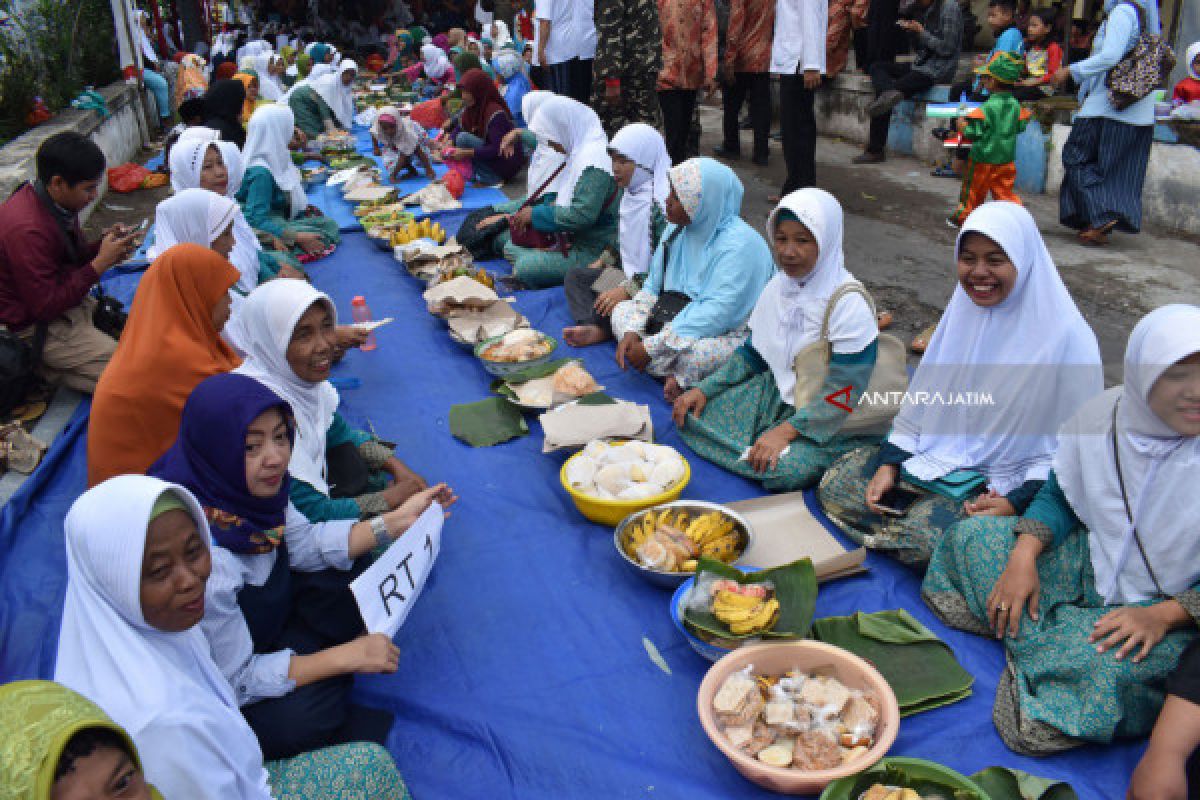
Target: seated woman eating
743 416
138 559
337 472
272 194
480 132
1095 590
171 342
217 167
549 232
69 748
1011 360
706 276
281 622
640 163
322 104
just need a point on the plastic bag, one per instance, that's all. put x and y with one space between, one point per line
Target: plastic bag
127 177
429 114
455 180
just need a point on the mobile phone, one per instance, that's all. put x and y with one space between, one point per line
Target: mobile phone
896 502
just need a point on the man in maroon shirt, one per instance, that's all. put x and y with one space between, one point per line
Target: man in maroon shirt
47 268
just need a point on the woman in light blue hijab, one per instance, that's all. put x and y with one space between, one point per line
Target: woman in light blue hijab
710 267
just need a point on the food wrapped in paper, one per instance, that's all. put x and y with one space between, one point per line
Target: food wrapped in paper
344 175
576 424
458 294
434 197
472 327
369 193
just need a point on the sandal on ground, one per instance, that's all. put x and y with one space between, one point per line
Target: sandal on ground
946 171
920 342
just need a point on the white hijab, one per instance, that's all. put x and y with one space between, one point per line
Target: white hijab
434 60
267 136
268 319
187 161
1159 467
543 161
577 128
644 146
337 95
162 688
269 87
197 216
788 315
1033 355
1192 51
502 36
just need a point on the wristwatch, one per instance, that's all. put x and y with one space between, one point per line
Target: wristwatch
382 537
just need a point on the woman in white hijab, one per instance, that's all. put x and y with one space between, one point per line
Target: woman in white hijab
1011 360
204 163
584 208
272 195
640 164
138 559
321 104
743 416
436 66
1096 588
289 334
269 69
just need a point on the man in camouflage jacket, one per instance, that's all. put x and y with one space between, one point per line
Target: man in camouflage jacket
628 60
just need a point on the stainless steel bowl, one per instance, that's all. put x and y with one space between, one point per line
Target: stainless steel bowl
670 580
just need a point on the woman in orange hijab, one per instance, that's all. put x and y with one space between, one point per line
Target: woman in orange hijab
171 342
251 102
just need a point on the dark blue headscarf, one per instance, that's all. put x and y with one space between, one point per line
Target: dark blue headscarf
209 459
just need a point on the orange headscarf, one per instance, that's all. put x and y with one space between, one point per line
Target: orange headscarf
169 345
249 105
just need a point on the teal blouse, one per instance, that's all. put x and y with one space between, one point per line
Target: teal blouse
592 216
818 421
315 505
310 110
263 203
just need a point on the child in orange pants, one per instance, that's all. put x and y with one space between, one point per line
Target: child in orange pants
992 129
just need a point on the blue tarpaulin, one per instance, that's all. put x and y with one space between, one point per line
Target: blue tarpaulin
522 672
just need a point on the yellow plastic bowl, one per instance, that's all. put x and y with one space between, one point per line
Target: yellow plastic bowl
611 512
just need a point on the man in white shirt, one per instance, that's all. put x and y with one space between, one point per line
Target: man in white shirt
567 45
798 57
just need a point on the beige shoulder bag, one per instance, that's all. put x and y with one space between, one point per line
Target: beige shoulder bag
889 379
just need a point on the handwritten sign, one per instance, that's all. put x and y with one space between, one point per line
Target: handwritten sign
385 592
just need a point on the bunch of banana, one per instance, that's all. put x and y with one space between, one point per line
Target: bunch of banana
713 533
686 538
418 230
745 613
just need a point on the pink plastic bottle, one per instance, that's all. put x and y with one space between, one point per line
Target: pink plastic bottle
360 312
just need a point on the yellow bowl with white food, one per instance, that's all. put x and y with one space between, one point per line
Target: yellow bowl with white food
610 512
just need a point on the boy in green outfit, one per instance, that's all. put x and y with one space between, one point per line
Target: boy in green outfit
992 129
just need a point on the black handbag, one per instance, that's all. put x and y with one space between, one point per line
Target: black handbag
669 304
479 241
109 316
18 366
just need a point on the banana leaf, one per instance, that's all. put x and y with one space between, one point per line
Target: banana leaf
1002 783
795 588
925 780
920 668
597 399
487 423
